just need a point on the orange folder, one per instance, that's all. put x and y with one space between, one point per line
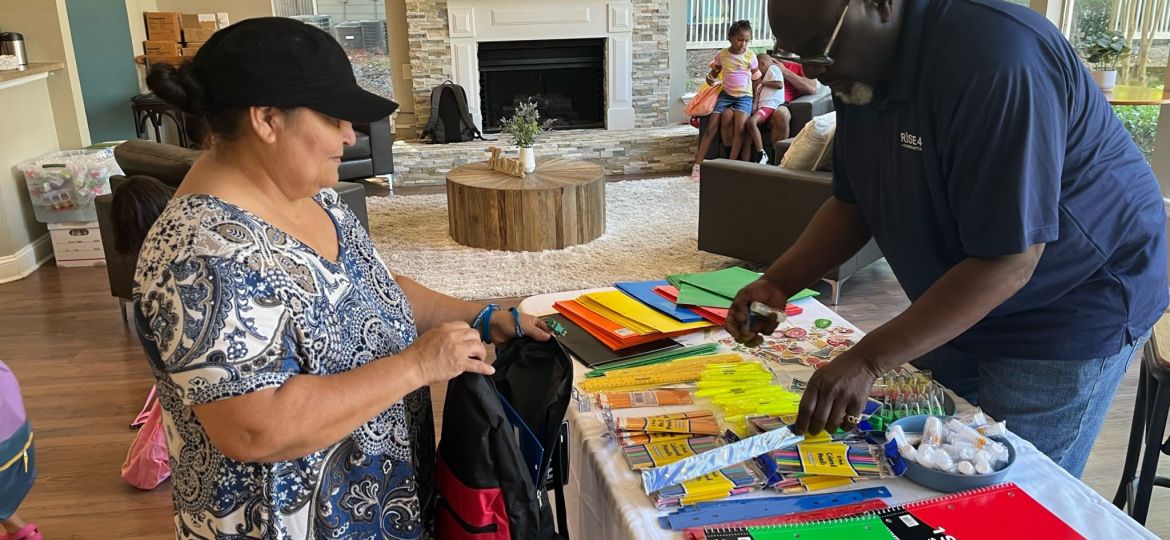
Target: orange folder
612 334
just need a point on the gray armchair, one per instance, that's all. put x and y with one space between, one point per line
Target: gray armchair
169 164
736 197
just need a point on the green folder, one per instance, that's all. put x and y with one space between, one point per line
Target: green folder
857 528
656 358
716 289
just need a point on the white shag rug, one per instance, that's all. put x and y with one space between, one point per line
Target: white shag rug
651 229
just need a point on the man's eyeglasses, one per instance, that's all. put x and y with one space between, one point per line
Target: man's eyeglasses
819 60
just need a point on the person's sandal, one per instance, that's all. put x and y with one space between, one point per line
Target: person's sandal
29 532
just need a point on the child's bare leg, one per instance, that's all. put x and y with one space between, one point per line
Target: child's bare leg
705 141
739 118
726 130
13 524
753 130
781 117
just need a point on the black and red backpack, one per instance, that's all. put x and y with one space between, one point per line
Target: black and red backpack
500 437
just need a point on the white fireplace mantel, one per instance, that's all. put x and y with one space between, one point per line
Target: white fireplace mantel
474 21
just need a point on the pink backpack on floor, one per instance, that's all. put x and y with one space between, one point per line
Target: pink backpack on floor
147 463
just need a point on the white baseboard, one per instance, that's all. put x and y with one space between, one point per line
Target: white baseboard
27 260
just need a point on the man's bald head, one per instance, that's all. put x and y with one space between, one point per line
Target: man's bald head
864 47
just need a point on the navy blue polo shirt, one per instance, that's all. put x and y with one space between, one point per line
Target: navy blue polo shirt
991 137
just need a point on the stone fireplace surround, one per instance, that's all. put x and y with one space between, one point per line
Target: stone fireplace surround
443 35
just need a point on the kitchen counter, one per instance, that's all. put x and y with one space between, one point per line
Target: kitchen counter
13 77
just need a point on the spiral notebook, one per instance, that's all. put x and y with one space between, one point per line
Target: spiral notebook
1003 511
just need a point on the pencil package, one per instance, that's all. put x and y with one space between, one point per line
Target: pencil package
646 398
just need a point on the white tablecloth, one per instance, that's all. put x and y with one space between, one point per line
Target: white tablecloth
604 498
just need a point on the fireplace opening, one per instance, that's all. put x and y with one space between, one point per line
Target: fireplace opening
566 78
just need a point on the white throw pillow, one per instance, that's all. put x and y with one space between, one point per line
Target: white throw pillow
813 145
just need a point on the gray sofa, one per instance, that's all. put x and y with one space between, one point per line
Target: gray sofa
169 164
754 212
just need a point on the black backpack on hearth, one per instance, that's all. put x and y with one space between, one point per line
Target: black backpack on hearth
503 444
450 120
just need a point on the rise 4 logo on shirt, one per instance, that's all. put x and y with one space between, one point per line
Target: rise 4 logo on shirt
911 141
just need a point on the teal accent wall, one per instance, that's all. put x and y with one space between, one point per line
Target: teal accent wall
105 65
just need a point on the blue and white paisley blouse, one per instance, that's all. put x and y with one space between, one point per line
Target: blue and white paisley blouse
234 305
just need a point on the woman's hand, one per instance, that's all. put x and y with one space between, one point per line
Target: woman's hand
504 327
447 351
760 290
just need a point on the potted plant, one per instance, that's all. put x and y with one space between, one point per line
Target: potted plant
523 126
1102 52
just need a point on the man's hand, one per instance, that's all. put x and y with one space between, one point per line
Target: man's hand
760 290
835 392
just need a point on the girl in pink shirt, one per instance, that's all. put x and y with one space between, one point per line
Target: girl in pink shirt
737 67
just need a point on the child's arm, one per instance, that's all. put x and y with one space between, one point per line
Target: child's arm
716 67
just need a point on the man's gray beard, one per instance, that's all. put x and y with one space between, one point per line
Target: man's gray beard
858 94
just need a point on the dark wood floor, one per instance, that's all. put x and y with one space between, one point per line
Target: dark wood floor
84 379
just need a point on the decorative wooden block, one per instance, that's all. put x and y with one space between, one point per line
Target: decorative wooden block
560 204
505 165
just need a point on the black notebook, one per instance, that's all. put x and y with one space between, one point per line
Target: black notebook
593 353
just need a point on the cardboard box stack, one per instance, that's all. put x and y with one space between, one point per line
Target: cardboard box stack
173 37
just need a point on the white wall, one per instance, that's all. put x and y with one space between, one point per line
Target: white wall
28 110
678 58
45 26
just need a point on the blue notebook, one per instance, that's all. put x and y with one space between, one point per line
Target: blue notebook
643 291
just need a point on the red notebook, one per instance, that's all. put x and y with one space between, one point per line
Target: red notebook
1003 511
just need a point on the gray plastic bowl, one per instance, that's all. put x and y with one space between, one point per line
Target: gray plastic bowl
951 482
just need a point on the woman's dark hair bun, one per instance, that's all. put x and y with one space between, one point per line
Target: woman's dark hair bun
177 86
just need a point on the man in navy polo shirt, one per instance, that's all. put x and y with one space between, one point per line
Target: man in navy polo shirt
1011 204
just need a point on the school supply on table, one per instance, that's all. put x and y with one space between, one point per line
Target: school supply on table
834 459
644 292
684 370
734 480
698 533
590 351
612 334
865 527
724 456
644 398
718 288
712 513
697 422
714 314
705 349
657 454
1003 511
620 308
726 282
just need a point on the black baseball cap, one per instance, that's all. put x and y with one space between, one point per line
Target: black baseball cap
280 62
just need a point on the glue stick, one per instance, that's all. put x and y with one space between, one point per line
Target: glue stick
965 467
960 450
904 447
965 433
943 461
982 466
997 429
932 432
974 419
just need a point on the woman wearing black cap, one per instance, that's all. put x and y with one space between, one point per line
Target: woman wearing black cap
292 366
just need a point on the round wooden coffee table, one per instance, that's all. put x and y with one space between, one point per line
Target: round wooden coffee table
560 204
